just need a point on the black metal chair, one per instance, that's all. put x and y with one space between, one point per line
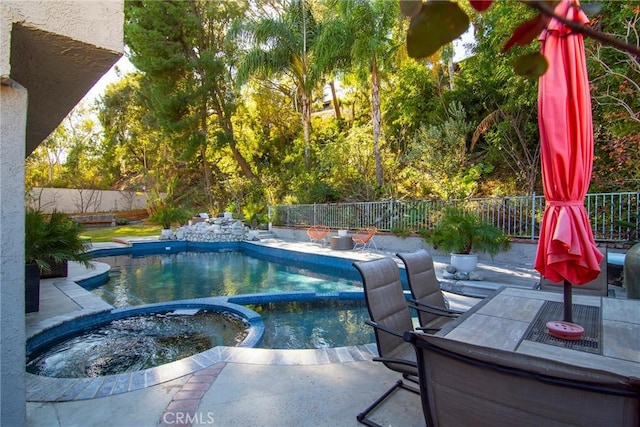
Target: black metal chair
390 318
464 384
425 289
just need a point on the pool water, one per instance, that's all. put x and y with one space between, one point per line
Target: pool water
324 322
315 324
136 343
185 275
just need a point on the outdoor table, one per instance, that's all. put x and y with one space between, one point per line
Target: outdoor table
341 243
515 319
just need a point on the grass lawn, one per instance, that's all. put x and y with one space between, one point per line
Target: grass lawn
105 234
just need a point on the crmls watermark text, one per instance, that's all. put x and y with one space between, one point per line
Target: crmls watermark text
188 418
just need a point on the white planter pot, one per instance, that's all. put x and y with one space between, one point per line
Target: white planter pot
167 233
464 262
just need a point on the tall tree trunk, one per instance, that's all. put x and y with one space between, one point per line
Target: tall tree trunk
227 127
336 106
451 70
306 126
242 162
237 155
375 112
306 101
206 169
208 177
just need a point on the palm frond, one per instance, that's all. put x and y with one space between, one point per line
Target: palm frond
487 123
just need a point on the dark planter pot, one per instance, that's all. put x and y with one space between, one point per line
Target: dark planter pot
631 272
58 269
31 288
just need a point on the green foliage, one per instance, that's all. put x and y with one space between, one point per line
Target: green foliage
462 232
441 152
614 77
187 61
306 188
255 214
501 105
181 123
411 100
436 23
530 66
52 238
70 156
165 214
133 145
422 38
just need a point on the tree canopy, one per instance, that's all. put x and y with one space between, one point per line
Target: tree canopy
242 103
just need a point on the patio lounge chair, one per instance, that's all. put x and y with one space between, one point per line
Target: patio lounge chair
597 287
425 289
390 318
318 233
463 384
363 238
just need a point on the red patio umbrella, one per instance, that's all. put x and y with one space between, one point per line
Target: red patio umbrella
566 250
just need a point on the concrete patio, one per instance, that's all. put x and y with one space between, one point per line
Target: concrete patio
245 386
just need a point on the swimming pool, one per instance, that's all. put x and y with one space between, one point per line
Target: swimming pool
301 305
136 280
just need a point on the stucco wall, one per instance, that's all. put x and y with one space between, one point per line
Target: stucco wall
93 22
76 200
12 331
51 53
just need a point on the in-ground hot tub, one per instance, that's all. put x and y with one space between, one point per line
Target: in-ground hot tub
135 339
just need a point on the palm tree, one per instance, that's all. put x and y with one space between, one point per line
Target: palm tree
369 25
281 46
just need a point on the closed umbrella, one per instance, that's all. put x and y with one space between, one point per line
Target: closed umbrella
566 250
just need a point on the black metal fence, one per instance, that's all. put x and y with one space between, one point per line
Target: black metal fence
615 217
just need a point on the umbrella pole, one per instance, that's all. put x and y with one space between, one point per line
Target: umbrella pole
568 317
566 329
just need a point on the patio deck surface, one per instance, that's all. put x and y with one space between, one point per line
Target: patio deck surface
246 387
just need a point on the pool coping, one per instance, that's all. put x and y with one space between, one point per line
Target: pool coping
48 389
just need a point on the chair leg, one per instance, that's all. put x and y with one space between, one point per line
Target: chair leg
362 416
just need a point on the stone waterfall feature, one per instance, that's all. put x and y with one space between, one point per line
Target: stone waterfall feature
215 230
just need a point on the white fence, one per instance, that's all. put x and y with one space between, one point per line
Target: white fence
614 217
82 200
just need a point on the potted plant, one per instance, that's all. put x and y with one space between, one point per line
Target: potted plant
50 242
165 215
254 214
463 234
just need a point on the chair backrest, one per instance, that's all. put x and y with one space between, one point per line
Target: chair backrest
599 286
318 232
423 283
464 384
362 236
385 301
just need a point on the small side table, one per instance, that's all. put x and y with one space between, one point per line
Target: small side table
341 243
